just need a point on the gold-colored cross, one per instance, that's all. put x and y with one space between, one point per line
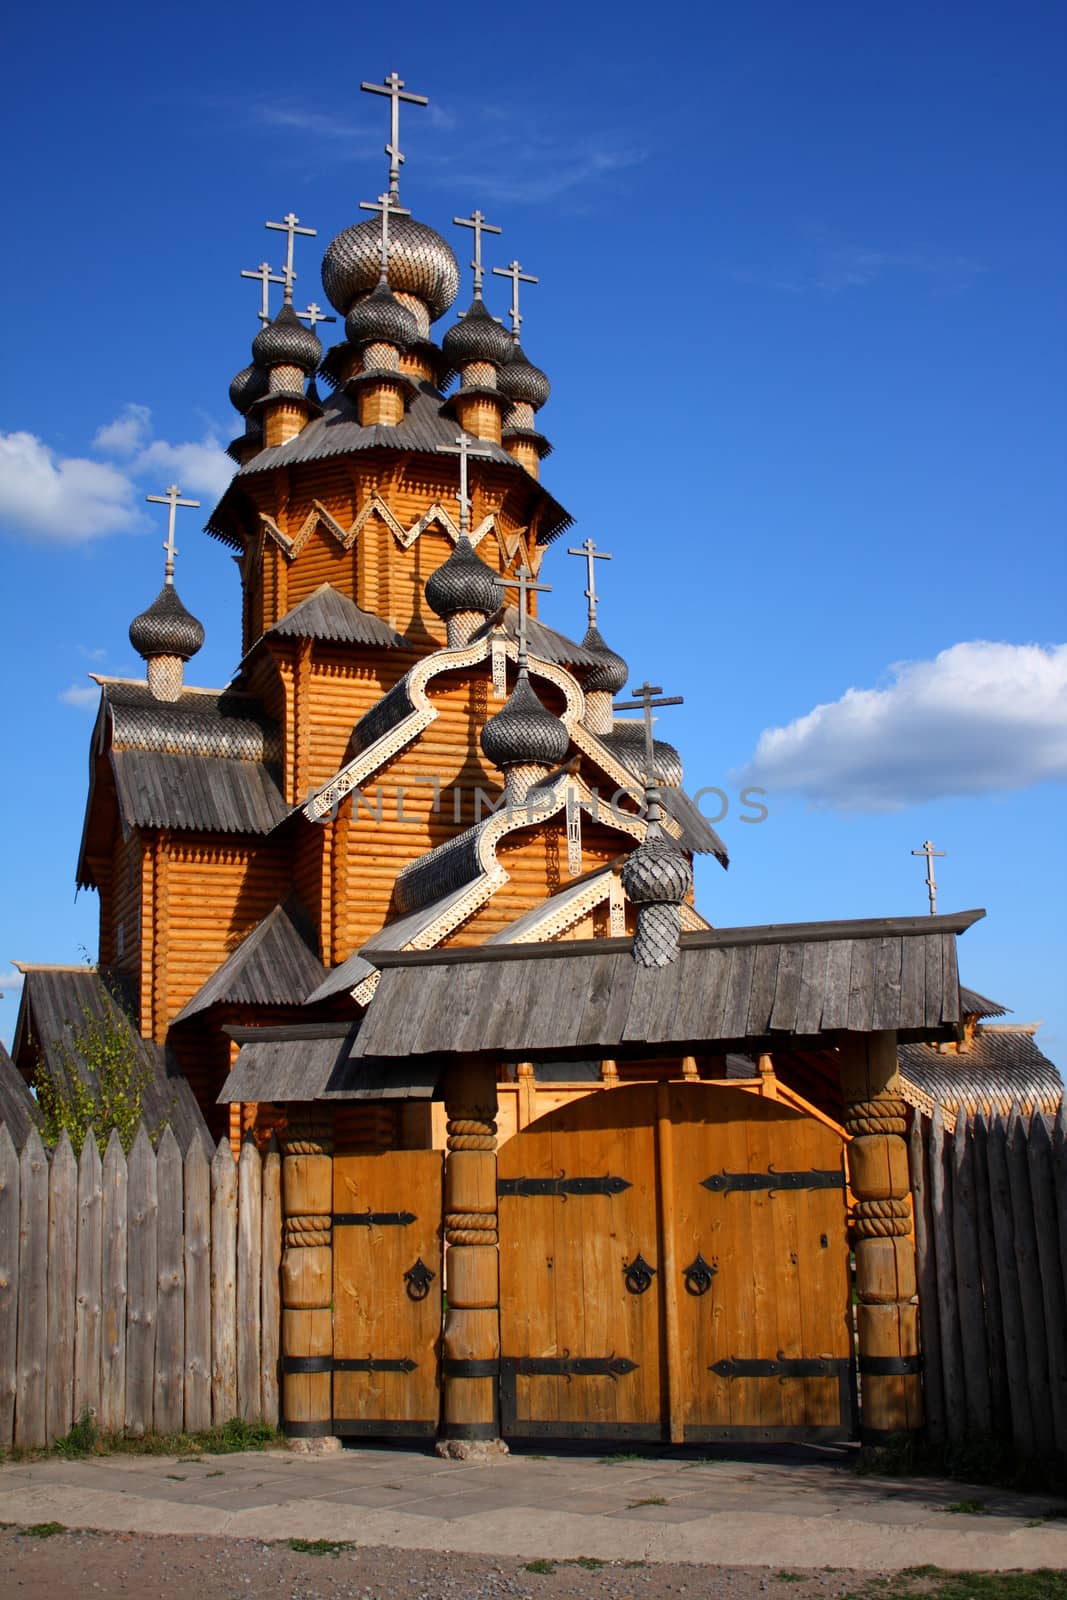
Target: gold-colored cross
173 499
592 555
931 881
393 87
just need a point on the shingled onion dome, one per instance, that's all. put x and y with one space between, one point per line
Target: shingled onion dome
288 350
250 385
479 348
527 387
463 591
423 272
166 636
381 319
524 739
602 682
657 876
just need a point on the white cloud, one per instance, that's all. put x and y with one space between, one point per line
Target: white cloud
199 468
980 718
11 981
66 500
86 696
129 432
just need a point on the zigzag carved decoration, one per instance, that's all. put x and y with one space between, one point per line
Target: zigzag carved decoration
434 515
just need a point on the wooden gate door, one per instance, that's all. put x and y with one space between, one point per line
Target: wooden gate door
674 1265
387 1293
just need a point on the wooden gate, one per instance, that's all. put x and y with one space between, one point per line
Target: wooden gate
674 1265
387 1293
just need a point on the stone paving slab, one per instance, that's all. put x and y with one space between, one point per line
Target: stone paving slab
793 1510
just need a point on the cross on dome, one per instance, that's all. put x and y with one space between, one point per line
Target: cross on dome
266 278
314 314
477 222
517 276
389 206
173 499
290 227
526 584
465 451
645 701
393 87
592 555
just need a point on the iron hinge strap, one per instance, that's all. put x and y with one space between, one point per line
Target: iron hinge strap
302 1364
890 1366
562 1186
373 1219
802 1367
816 1178
489 1368
567 1366
294 1364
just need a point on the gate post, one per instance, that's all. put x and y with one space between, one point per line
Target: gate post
887 1316
307 1274
471 1341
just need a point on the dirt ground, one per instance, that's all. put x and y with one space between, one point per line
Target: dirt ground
105 1564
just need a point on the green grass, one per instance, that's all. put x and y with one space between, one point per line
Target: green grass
622 1458
790 1577
319 1547
85 1439
652 1500
969 1508
936 1584
587 1563
43 1530
541 1565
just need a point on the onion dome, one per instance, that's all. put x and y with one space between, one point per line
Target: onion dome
464 583
381 317
524 731
420 263
250 385
166 628
477 336
610 672
658 872
521 380
285 342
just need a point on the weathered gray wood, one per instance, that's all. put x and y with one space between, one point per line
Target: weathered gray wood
142 1274
62 1261
169 1398
926 1270
270 1297
249 1277
112 1414
1029 1269
197 1288
90 1267
1043 1198
947 1298
1059 1173
223 1284
32 1340
969 1281
9 1282
1022 1424
1000 1396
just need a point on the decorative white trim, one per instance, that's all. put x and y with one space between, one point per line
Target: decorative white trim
365 990
291 545
692 921
616 908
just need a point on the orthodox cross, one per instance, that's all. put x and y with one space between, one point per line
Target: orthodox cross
592 555
645 700
517 276
477 222
526 584
394 88
464 450
931 881
314 314
291 228
266 278
173 499
389 206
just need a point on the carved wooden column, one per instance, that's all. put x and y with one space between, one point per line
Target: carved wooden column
472 1323
307 1274
882 1229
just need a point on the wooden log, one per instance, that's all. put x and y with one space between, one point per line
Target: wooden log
197 1188
62 1267
169 1386
9 1282
969 1282
31 1342
249 1271
1022 1424
1029 1269
1000 1396
90 1270
472 1321
112 1414
142 1285
1054 1301
223 1285
947 1300
926 1266
270 1297
307 1270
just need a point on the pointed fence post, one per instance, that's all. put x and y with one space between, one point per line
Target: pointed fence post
926 1266
1000 1396
197 1184
249 1268
223 1284
62 1266
32 1339
1022 1425
947 1297
270 1299
113 1294
143 1286
90 1267
1042 1190
1059 1169
1024 1237
9 1282
969 1281
169 1387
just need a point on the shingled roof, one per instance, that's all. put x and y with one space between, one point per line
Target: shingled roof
274 965
18 1109
332 617
997 1068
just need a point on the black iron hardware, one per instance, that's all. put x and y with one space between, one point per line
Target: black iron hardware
373 1219
816 1178
783 1367
698 1275
569 1366
638 1274
418 1279
562 1186
889 1366
375 1364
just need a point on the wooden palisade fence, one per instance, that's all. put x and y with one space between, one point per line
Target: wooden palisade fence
991 1232
142 1289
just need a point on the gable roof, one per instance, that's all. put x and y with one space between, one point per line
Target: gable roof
331 616
18 1109
273 965
973 1004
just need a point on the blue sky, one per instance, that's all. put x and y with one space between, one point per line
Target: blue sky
802 305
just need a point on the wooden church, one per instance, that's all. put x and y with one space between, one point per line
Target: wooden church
411 896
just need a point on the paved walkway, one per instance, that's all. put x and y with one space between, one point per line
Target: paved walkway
803 1508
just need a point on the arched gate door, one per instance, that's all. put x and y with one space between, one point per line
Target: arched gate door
674 1265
